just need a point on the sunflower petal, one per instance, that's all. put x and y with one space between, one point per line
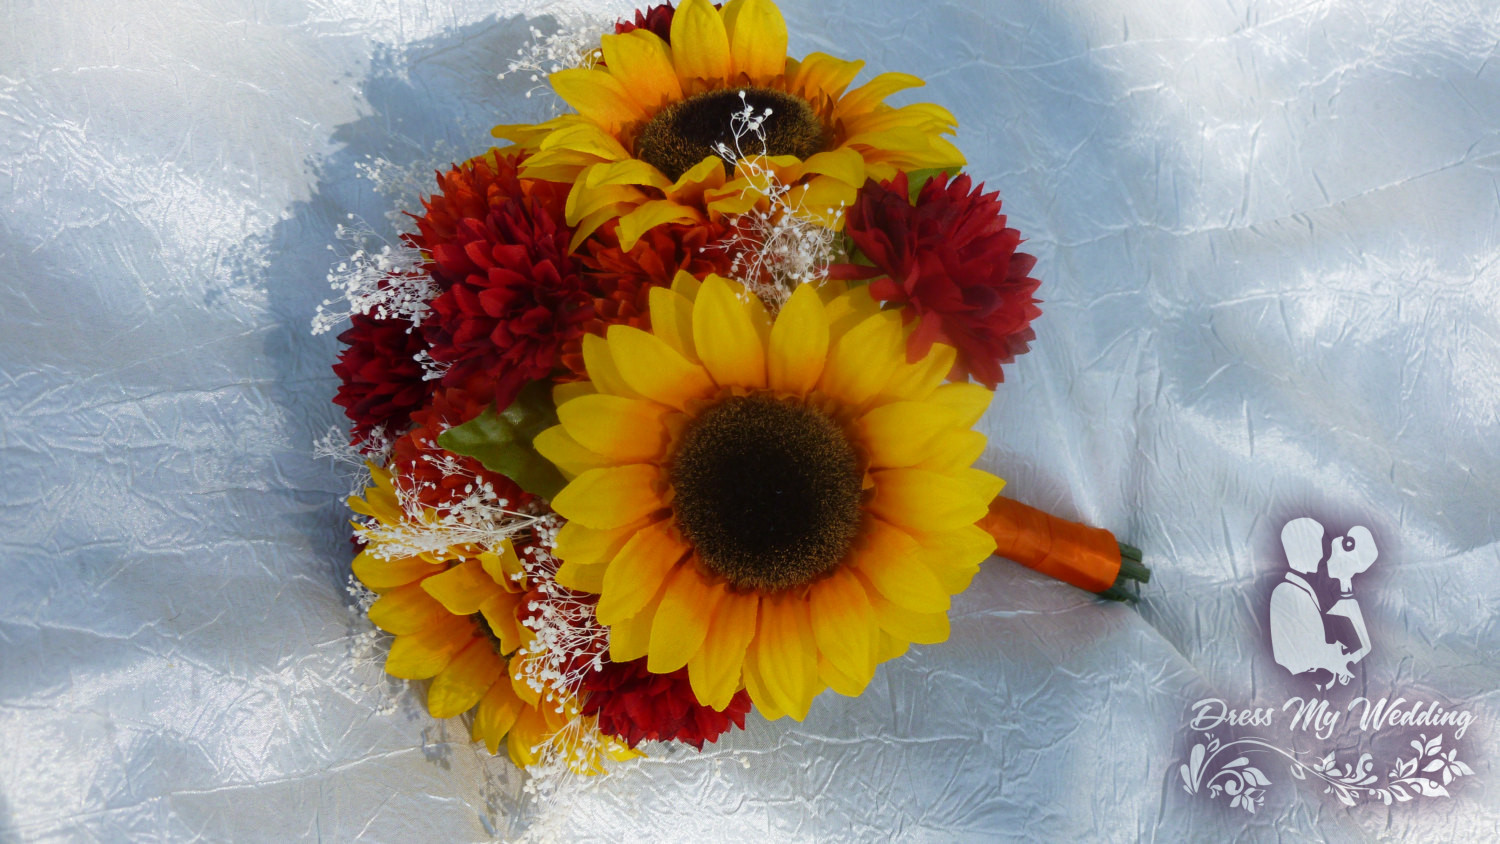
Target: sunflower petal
581 578
867 96
844 627
798 343
820 74
624 430
575 134
463 588
567 454
637 573
728 334
600 363
406 610
702 177
591 223
757 38
649 215
969 400
630 638
702 50
656 370
597 95
887 558
917 381
381 575
756 687
838 680
862 361
645 62
954 557
587 546
612 496
822 200
526 735
630 172
458 687
500 614
497 712
682 620
715 670
672 318
903 433
908 625
954 452
420 655
849 309
843 164
984 485
786 654
923 500
892 647
683 284
586 200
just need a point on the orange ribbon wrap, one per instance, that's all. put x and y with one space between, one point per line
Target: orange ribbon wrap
1086 557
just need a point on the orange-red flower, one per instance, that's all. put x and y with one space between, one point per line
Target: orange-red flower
621 279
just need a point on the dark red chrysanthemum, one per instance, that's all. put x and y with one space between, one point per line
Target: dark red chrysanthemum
438 478
635 705
381 381
621 280
953 264
512 295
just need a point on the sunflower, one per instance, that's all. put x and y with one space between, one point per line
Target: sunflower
779 504
645 143
455 615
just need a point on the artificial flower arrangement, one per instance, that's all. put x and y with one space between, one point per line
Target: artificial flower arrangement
668 403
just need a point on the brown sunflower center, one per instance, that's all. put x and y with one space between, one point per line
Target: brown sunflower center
686 132
767 491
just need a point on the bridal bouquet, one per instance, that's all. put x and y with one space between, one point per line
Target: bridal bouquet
668 401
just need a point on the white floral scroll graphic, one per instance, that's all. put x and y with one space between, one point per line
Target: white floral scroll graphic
1225 769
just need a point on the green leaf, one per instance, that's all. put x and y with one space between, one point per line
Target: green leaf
503 441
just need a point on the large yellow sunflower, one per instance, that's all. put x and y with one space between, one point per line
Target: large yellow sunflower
643 144
775 504
455 616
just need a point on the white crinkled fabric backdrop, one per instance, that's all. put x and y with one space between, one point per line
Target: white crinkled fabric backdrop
1268 241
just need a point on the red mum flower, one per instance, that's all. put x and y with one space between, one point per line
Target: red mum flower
436 477
953 264
512 295
656 19
635 705
621 281
381 380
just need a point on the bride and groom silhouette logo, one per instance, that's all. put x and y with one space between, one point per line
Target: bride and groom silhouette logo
1306 637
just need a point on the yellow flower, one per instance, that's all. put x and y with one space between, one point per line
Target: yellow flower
455 617
775 504
643 144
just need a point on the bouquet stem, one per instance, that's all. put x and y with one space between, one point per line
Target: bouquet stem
1087 557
